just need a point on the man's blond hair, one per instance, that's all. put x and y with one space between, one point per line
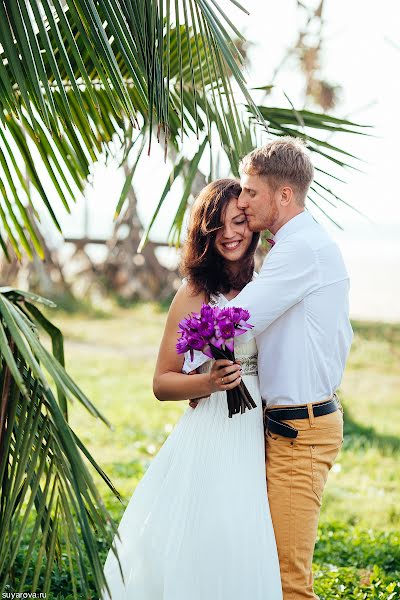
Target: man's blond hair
283 161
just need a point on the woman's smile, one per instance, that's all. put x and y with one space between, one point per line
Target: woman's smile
231 245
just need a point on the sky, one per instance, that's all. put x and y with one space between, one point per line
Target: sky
361 53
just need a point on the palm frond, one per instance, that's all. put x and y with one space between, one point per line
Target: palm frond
47 490
75 73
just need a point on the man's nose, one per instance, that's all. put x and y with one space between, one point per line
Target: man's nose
241 201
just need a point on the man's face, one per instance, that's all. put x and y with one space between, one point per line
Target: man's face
260 203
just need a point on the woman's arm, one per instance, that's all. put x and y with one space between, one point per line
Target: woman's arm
169 383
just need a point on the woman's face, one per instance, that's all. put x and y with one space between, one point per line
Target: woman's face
234 237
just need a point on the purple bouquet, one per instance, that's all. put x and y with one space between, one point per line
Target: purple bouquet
212 331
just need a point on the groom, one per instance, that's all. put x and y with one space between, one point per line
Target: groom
299 308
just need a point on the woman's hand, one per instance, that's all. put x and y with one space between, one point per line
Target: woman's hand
224 375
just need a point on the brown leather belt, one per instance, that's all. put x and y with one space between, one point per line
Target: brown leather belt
274 416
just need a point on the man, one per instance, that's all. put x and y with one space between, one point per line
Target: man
299 309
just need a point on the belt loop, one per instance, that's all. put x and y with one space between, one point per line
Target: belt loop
311 415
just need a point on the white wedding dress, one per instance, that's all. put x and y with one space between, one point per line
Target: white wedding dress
198 526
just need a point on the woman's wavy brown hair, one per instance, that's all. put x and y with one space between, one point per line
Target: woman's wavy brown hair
205 268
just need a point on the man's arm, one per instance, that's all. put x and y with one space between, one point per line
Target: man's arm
288 275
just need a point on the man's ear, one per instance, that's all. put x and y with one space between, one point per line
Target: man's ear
287 195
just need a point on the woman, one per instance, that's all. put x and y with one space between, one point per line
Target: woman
198 526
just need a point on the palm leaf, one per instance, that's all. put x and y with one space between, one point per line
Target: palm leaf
176 171
76 70
48 494
176 227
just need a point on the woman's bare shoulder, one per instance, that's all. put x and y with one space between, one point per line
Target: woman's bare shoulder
188 293
188 296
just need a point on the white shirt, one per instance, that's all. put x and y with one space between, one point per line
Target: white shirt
300 311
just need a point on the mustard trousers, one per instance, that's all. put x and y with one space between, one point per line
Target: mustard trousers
297 470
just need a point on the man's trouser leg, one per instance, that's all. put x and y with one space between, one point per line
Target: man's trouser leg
297 470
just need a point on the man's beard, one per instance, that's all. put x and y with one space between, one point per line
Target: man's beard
255 227
261 225
271 219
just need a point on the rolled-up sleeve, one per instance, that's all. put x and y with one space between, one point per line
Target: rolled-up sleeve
288 275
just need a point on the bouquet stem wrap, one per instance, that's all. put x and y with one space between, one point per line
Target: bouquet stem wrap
239 398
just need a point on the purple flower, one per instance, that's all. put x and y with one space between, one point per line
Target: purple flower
207 312
206 328
217 312
238 315
194 324
235 314
182 345
195 341
226 328
222 313
184 325
245 316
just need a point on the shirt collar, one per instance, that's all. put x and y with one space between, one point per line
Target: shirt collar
295 224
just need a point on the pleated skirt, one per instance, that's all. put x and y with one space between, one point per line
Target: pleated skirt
198 526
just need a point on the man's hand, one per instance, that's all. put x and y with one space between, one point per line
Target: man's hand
194 401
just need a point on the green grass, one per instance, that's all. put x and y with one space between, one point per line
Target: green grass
357 555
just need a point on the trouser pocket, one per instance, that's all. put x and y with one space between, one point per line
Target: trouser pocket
322 458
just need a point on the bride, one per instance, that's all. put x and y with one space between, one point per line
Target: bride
198 526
